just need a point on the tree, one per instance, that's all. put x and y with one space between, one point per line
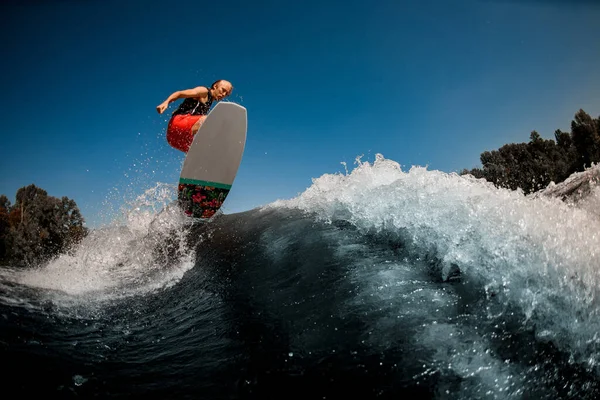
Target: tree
585 132
39 226
532 166
4 224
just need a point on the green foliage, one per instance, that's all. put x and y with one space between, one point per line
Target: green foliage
4 224
585 132
532 166
38 227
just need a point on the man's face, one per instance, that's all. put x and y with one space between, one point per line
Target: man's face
222 90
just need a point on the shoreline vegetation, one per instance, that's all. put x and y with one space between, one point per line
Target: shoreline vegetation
532 166
38 227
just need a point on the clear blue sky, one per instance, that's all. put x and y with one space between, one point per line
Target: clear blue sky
422 82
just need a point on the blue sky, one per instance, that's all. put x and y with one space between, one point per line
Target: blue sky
423 82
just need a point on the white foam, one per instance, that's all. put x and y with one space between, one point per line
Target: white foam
124 258
537 253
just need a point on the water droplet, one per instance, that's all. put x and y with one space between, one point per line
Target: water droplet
79 380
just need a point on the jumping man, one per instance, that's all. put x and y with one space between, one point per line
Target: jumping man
191 113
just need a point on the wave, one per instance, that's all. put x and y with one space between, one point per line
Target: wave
408 280
538 255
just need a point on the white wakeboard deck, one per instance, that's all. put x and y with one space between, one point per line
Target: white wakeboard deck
213 160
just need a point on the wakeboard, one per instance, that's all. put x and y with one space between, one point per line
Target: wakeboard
212 161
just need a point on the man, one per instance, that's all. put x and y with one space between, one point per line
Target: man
187 118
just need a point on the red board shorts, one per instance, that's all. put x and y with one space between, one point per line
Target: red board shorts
179 131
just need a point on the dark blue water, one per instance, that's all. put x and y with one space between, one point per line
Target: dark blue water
379 284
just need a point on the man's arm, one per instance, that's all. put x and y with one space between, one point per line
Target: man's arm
199 91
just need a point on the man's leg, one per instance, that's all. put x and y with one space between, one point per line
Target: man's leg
197 125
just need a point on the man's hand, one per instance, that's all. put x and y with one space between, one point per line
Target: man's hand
162 107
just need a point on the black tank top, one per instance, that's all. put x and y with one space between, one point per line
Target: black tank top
194 106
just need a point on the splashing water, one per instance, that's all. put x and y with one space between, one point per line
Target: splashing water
143 251
424 281
539 255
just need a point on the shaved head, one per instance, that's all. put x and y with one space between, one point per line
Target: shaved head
221 89
222 83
